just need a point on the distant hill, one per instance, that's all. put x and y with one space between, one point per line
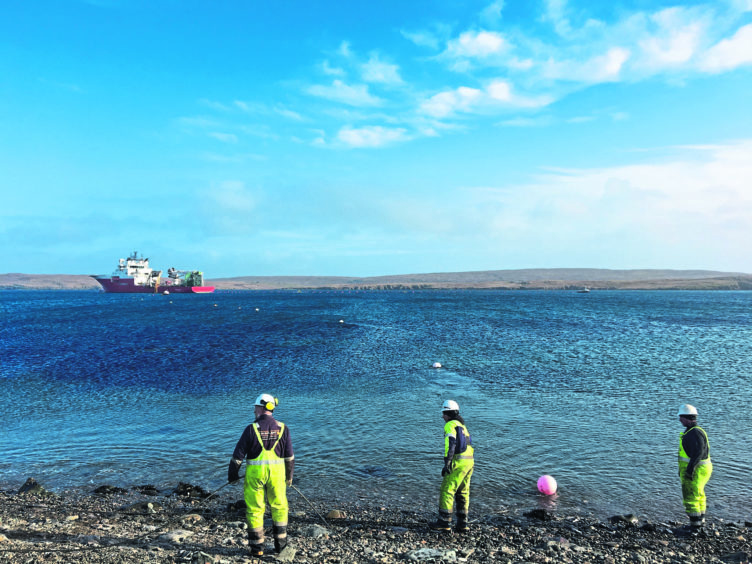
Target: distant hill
15 281
535 278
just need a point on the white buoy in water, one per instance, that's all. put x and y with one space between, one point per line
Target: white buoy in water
341 320
437 365
257 309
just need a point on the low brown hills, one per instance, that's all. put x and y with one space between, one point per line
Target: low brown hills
533 279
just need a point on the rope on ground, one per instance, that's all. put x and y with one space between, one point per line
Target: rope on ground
309 503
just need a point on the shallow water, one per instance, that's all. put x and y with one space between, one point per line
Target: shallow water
131 389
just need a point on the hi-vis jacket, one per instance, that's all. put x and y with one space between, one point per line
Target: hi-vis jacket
694 448
458 444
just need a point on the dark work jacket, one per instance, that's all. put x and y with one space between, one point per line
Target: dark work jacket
696 446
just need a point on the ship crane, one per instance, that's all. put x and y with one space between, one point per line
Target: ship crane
191 277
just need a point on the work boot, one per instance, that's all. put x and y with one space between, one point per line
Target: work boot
461 525
256 550
441 525
279 545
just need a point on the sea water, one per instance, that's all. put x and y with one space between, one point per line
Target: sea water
149 389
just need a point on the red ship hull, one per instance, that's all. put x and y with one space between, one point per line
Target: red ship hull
117 285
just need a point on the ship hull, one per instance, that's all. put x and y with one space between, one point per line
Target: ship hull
115 285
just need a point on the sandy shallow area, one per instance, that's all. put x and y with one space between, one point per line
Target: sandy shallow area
187 524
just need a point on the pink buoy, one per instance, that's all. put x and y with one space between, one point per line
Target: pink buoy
547 484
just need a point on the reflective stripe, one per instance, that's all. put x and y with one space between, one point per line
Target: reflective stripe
263 462
685 459
462 457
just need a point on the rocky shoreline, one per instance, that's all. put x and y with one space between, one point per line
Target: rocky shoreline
189 525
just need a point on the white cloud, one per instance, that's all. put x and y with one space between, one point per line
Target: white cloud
376 70
344 49
327 69
422 38
371 136
290 114
729 53
604 67
678 37
447 103
697 204
475 44
497 94
357 95
500 90
536 68
249 107
556 14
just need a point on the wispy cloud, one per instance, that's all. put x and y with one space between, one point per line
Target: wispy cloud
371 136
376 70
475 44
224 137
329 70
289 114
338 91
495 95
491 14
697 201
730 53
431 37
507 71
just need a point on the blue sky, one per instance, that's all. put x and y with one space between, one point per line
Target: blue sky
366 138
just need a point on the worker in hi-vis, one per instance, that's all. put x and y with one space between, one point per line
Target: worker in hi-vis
695 466
267 447
457 470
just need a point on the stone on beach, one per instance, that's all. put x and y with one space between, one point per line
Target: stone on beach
34 525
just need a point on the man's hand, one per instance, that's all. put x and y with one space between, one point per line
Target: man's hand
232 471
288 482
447 466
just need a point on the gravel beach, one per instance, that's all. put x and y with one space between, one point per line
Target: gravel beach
142 524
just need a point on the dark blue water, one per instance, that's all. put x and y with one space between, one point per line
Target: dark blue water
127 389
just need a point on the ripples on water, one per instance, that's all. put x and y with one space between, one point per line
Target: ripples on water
129 389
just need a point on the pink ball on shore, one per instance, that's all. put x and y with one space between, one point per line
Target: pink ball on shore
547 484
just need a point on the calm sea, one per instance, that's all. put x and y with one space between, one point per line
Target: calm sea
149 389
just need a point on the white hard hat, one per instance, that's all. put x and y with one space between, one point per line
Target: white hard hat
687 409
450 405
267 401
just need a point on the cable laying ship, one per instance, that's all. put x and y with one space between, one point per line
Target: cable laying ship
135 276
